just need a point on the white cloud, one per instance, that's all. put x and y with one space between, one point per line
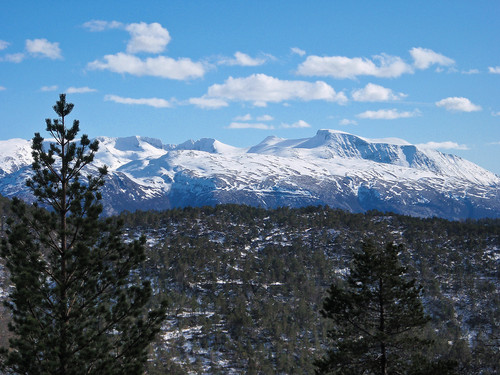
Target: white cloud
144 37
298 124
44 48
14 57
153 102
246 125
423 58
495 113
247 117
2 88
242 59
3 44
348 122
265 118
470 71
79 90
261 89
152 38
345 67
298 51
161 66
98 25
387 114
448 145
458 104
208 103
49 88
375 93
494 69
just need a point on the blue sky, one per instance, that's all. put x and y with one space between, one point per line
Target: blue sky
239 71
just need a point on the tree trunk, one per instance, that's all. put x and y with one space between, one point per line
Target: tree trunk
63 344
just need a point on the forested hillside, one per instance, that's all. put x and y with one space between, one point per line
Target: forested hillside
4 214
246 284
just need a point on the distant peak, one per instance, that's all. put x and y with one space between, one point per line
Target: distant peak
130 143
152 141
203 144
330 133
326 132
272 139
210 145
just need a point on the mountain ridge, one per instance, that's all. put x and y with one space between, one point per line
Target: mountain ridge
332 168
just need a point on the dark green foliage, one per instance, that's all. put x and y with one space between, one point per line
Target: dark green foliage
375 317
77 303
5 213
248 283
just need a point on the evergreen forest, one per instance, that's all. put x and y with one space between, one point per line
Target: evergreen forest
245 286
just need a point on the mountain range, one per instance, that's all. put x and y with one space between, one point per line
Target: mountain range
331 168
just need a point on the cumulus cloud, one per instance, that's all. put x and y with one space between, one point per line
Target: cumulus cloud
49 88
383 65
247 125
346 121
494 69
44 48
387 114
144 37
152 102
375 93
265 118
424 58
262 89
14 57
98 25
3 44
448 145
470 71
2 88
242 59
458 104
79 90
345 67
495 113
247 117
152 38
160 66
298 51
208 103
298 124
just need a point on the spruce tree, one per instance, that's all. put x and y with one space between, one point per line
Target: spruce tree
375 316
78 305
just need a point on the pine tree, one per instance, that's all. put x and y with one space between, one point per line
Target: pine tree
375 316
77 303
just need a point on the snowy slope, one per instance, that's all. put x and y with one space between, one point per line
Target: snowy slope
330 144
332 167
14 154
115 152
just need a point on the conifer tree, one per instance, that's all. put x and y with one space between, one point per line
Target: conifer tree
77 303
375 316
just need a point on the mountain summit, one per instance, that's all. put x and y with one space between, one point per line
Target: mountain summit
331 168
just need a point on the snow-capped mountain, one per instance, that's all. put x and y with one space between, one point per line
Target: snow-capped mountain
331 168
